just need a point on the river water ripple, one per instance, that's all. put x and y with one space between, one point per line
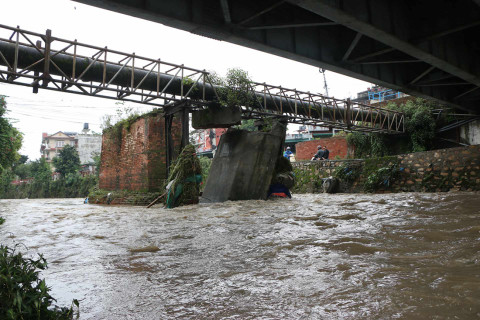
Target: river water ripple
343 256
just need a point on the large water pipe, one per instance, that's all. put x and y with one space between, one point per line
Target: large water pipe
28 56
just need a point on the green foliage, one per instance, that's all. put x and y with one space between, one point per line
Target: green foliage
23 159
41 170
381 178
22 171
420 124
97 160
67 161
205 164
215 79
6 177
234 89
22 294
2 220
420 128
124 114
188 83
123 120
21 168
42 186
348 172
248 125
185 187
10 139
361 142
267 125
369 145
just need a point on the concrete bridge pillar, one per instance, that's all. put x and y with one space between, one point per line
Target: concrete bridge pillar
244 163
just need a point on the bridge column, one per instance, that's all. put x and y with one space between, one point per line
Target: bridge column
243 165
182 108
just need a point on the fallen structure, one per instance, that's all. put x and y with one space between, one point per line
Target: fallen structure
244 164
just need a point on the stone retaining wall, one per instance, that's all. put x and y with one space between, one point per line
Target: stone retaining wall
430 171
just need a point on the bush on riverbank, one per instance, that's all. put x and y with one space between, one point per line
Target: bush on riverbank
22 294
72 186
420 126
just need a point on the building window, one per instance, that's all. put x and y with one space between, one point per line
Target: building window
60 144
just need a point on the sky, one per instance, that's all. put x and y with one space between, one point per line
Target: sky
50 112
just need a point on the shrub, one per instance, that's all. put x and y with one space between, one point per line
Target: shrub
420 128
348 172
22 294
383 177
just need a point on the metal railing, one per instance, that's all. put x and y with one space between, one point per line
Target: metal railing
43 61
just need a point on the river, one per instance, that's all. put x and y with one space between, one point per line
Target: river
322 256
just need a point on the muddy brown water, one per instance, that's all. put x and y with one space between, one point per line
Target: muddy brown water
391 256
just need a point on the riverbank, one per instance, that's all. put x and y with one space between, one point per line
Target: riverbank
454 169
74 186
122 197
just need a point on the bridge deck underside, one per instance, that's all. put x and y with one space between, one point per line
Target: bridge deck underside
424 48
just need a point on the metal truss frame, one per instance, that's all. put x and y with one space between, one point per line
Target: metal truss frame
123 77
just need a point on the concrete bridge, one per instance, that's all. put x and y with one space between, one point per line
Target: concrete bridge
424 48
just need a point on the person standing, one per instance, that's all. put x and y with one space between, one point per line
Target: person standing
287 153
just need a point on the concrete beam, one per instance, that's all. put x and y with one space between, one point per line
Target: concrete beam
333 12
320 46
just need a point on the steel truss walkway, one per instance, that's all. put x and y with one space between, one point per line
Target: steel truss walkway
43 61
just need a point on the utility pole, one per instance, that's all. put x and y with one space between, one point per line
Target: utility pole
321 70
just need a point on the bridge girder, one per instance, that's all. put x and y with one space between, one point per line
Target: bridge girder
425 48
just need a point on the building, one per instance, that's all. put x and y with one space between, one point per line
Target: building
52 144
377 94
87 145
316 131
206 141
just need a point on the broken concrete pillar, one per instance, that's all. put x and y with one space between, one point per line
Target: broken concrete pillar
243 165
216 116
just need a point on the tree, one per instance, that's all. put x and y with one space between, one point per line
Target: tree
67 161
420 124
234 90
21 168
41 170
420 128
97 160
10 139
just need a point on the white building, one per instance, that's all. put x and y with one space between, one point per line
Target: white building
87 144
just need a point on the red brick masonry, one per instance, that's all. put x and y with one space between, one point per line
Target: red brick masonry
135 159
336 145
